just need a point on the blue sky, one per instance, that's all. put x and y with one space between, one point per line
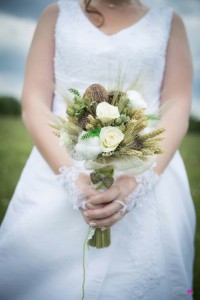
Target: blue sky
18 19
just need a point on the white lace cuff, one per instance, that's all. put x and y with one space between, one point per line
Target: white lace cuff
146 182
67 178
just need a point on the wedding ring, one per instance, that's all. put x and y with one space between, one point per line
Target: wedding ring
120 202
124 206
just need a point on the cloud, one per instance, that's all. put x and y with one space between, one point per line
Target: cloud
12 60
16 33
15 36
24 8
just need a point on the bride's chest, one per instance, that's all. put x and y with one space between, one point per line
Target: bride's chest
79 45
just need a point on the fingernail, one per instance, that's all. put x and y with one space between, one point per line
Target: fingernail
86 214
93 224
88 203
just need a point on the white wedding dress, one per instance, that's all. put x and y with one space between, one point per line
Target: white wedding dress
41 236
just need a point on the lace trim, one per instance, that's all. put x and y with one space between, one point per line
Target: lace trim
146 182
67 178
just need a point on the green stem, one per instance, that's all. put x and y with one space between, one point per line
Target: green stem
100 186
83 261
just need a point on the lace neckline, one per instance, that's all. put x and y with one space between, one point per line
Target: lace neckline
121 31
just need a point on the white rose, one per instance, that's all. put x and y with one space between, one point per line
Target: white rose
136 99
107 112
110 137
88 148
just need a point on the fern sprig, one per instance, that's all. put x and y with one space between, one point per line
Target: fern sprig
92 133
74 91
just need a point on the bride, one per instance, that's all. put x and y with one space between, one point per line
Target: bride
77 43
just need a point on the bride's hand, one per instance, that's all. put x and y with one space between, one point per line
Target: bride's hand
84 184
77 184
101 211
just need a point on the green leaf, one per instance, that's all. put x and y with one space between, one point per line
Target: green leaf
74 91
152 117
108 181
106 171
92 133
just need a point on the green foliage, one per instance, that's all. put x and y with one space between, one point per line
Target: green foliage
103 176
152 118
190 153
79 105
9 106
194 125
15 146
92 133
74 91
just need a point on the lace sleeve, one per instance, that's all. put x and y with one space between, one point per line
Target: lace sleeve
146 182
67 178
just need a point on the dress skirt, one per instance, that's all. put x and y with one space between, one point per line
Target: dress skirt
41 243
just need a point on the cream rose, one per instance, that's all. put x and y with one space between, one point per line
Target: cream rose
110 137
88 148
136 99
107 112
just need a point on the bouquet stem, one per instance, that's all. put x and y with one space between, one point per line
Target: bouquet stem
101 238
102 178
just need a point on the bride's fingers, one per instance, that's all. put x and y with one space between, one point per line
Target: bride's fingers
106 196
92 206
105 212
89 191
88 219
107 222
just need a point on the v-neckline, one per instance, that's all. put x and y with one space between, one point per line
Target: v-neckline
121 31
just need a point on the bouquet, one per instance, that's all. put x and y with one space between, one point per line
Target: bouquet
109 130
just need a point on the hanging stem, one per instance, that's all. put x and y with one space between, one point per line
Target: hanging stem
83 261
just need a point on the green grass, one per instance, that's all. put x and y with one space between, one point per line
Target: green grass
190 153
15 146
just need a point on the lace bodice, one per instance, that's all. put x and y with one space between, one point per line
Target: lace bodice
84 55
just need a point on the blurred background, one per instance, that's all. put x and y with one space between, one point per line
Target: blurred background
18 19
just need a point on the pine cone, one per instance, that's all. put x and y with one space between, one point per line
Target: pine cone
83 120
137 144
96 92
